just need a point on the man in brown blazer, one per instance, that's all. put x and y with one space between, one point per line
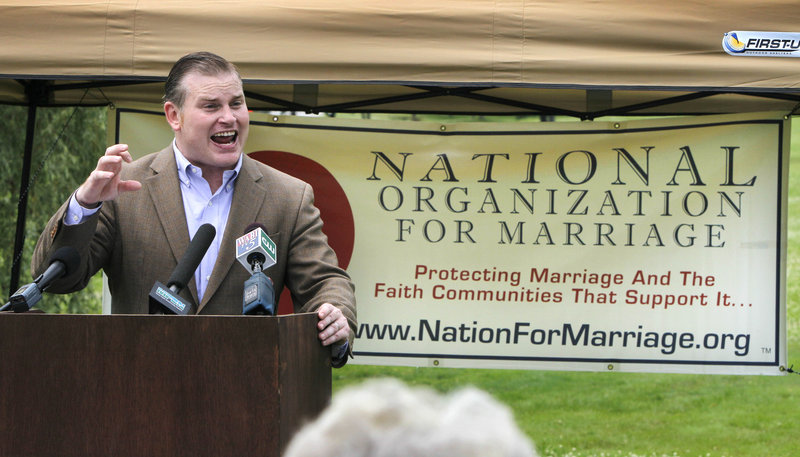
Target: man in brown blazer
134 219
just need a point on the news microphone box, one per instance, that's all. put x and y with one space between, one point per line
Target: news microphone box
259 296
255 242
26 297
165 301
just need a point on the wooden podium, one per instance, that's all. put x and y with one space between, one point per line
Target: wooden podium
91 385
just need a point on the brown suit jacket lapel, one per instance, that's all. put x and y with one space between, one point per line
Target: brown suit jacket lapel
164 187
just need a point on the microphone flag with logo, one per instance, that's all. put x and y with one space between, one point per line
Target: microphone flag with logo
255 248
256 252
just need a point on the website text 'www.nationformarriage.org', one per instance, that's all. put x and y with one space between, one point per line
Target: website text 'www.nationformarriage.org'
567 335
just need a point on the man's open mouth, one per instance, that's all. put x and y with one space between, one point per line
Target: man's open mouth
224 137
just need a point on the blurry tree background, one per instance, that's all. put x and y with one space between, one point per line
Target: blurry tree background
68 142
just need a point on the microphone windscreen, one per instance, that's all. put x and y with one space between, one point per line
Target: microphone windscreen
69 256
192 257
252 226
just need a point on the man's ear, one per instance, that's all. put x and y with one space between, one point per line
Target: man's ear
173 114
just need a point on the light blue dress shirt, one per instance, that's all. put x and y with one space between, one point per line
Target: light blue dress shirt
203 208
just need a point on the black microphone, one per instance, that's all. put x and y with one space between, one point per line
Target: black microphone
253 249
165 299
63 262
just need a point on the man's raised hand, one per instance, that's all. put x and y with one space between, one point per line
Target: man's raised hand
104 183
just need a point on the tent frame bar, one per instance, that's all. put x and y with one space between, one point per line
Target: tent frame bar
535 109
425 92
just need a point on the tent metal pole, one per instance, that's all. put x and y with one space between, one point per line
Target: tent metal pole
22 205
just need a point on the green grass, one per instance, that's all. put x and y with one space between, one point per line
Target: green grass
579 414
629 414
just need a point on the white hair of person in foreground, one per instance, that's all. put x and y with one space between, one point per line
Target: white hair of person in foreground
386 418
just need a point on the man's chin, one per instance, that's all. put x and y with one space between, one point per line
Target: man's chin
224 159
231 159
227 150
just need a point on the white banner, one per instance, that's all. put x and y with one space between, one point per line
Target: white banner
655 245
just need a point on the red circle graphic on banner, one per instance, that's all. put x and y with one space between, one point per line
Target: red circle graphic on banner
329 198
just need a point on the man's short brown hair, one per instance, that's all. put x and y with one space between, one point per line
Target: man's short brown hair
205 63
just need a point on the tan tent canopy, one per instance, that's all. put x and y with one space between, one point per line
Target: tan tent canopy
577 57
